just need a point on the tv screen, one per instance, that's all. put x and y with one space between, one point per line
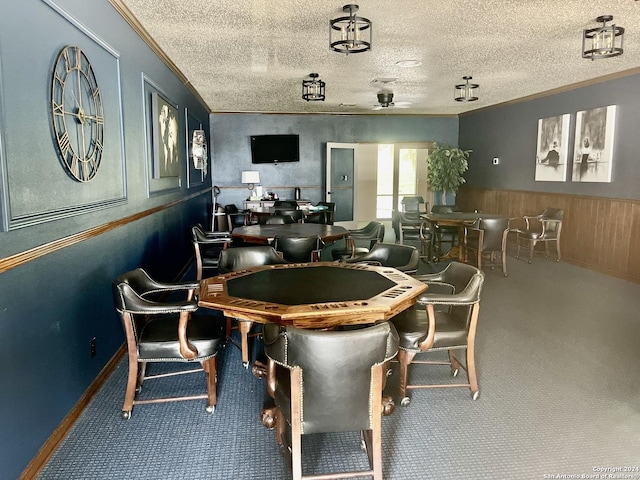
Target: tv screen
275 148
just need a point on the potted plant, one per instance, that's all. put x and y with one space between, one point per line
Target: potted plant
445 166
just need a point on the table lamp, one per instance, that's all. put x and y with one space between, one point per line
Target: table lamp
251 177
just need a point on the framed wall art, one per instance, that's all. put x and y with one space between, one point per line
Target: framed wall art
197 152
552 152
166 158
593 151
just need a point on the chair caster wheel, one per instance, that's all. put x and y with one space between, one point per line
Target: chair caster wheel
126 414
475 395
210 408
529 262
405 401
245 365
389 372
139 389
455 372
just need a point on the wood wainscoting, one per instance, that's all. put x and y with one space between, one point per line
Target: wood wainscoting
598 233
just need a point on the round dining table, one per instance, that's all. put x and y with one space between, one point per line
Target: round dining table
264 234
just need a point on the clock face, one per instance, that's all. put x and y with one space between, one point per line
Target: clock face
77 114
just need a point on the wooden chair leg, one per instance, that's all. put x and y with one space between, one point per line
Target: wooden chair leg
296 420
404 360
557 242
245 327
210 368
132 385
471 371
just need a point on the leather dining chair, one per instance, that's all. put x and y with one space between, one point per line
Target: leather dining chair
236 217
545 228
325 216
444 318
299 249
405 258
279 220
329 381
240 258
161 328
369 235
296 214
487 239
207 247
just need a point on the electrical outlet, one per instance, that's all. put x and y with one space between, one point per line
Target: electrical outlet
92 345
496 161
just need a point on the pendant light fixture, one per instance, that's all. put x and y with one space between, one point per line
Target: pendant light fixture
604 41
350 34
313 88
465 91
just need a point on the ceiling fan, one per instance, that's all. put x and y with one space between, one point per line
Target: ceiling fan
385 100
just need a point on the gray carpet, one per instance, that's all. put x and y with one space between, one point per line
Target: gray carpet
557 358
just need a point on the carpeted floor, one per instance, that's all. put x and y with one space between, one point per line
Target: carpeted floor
557 355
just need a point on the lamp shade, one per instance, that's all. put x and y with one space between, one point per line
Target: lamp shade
250 176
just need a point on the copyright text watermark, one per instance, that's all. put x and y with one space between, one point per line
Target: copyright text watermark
600 473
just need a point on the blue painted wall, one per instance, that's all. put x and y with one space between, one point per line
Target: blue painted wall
51 307
232 153
510 133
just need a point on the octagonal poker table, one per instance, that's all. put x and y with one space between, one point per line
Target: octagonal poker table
312 295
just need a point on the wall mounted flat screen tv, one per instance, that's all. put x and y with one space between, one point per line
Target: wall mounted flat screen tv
275 148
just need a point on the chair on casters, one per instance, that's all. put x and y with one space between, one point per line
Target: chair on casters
405 258
299 249
545 228
207 247
164 331
329 381
443 320
370 234
488 238
240 258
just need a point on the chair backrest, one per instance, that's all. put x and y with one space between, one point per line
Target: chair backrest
405 258
292 204
132 292
299 249
444 209
327 216
279 220
236 217
494 236
239 258
296 214
465 280
552 228
552 213
337 387
412 203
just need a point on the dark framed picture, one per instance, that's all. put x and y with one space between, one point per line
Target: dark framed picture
552 153
593 151
165 132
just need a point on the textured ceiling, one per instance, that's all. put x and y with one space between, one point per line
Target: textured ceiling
251 56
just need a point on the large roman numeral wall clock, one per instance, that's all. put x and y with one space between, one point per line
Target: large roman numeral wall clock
77 114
